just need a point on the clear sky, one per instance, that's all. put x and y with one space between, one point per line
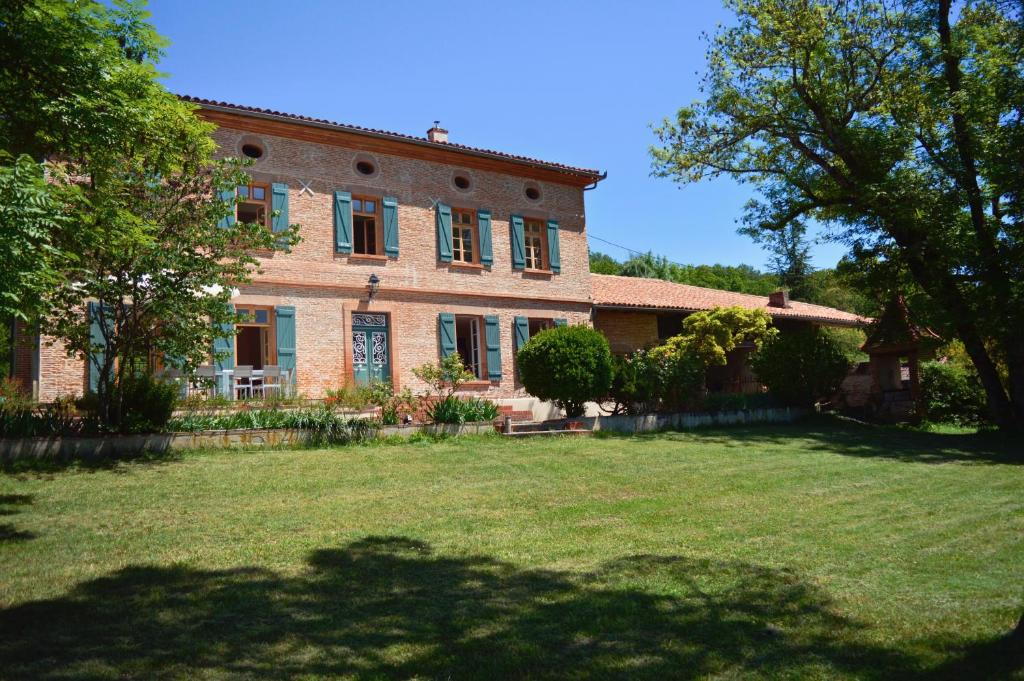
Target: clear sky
576 82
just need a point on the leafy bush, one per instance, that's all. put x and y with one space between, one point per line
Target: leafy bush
952 393
451 409
147 404
712 334
20 416
568 364
382 395
679 372
445 377
327 427
802 367
635 385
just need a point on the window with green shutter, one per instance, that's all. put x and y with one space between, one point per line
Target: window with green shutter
443 221
492 336
342 222
390 205
554 248
518 241
284 317
483 218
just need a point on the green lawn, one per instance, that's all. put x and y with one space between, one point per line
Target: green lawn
819 550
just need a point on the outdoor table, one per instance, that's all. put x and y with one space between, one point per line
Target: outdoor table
225 384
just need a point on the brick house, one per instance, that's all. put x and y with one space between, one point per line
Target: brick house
638 313
469 250
472 251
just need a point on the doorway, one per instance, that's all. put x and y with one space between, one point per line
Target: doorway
371 351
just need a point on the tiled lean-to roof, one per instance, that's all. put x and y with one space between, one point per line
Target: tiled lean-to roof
616 292
386 134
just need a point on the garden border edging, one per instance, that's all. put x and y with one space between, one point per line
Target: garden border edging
113 446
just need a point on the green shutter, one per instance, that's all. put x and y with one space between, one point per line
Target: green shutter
483 221
285 323
444 232
554 249
228 197
446 333
279 204
522 331
492 336
342 222
390 226
224 346
561 322
518 243
96 339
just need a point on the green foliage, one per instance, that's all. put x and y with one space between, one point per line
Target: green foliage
148 404
802 367
898 127
739 278
130 207
382 395
952 393
570 365
444 378
452 409
324 424
712 334
31 220
21 416
601 263
849 342
635 388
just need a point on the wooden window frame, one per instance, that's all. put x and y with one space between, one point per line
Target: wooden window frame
378 225
266 202
269 335
481 347
474 227
546 322
543 233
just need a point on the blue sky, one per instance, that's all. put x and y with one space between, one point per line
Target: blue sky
573 82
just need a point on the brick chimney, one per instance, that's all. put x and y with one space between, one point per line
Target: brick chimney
437 133
778 299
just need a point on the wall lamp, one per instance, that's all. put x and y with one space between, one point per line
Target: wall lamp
372 284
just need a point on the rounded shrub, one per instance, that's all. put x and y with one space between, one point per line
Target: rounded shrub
801 368
570 365
952 393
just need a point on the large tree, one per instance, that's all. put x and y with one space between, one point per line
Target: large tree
110 180
898 125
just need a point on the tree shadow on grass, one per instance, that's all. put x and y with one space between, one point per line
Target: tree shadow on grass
851 438
9 505
388 607
110 463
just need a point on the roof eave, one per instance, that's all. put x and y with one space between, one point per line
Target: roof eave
850 323
593 175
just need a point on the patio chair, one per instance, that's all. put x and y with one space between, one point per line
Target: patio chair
242 380
271 380
206 379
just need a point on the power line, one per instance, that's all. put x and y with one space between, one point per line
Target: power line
634 252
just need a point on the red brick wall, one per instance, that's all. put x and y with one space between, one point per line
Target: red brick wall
24 348
323 329
627 331
417 184
415 287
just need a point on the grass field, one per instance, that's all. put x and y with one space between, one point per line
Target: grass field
821 550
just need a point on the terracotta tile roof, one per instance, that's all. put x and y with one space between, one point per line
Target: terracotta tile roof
633 292
321 122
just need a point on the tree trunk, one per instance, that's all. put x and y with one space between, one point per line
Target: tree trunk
999 404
